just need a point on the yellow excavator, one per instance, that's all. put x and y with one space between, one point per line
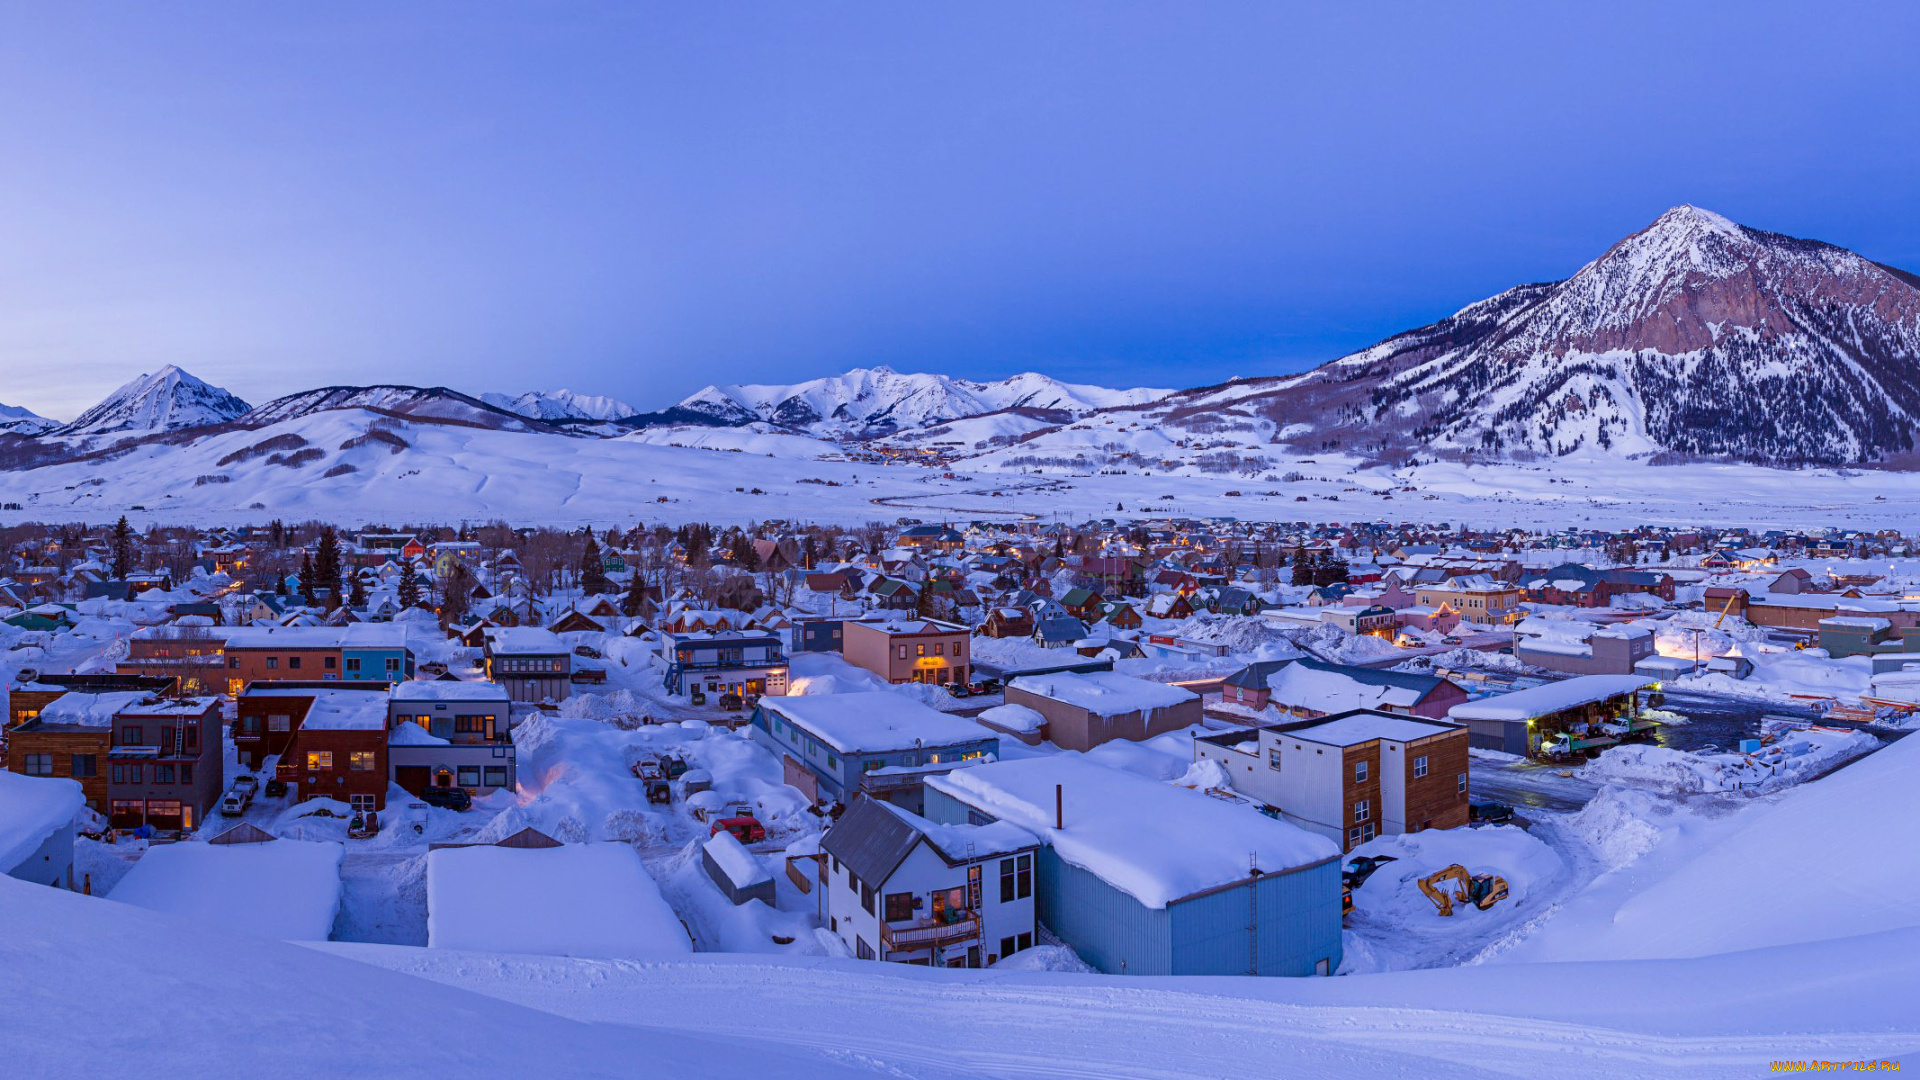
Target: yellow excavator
1482 891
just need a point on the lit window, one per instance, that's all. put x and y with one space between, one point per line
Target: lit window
319 759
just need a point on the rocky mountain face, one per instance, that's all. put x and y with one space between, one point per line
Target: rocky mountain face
167 400
1693 338
868 401
428 404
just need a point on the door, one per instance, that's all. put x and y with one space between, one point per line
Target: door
443 778
413 778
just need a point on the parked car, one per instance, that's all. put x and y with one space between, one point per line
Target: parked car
276 788
235 801
984 686
447 798
1451 641
1489 811
959 689
732 702
745 828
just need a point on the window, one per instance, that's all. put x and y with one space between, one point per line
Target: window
1353 837
360 761
186 772
866 897
1025 875
119 774
39 764
1025 941
233 661
870 764
131 735
1359 772
393 663
327 662
319 759
1273 758
899 906
133 774
496 776
903 652
250 725
279 722
1366 832
193 737
469 725
1419 767
959 649
353 664
1006 881
469 776
1362 810
273 663
1461 784
861 949
84 765
939 648
1009 946
293 663
919 650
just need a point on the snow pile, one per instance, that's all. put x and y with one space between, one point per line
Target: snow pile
1399 928
1792 758
593 900
1617 823
1019 718
1056 958
32 809
285 889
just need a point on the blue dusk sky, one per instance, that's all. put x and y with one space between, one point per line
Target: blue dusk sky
637 199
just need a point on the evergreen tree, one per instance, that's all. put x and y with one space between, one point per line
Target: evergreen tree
326 567
1303 569
409 584
809 553
122 548
306 577
356 591
593 569
636 595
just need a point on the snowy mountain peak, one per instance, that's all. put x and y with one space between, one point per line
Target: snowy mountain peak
880 400
562 404
166 400
21 421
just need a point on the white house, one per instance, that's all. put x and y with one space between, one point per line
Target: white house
902 888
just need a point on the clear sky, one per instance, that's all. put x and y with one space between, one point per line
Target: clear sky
638 199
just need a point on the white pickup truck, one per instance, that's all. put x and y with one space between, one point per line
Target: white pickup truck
239 796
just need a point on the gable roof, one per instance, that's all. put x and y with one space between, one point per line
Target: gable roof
870 841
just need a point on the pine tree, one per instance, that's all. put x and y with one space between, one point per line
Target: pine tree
636 595
326 567
306 577
1303 569
357 591
593 569
409 584
122 548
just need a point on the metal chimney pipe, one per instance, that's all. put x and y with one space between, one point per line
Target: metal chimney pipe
1059 809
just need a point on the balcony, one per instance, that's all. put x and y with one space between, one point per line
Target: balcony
928 934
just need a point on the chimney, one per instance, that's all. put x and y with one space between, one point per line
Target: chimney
1059 808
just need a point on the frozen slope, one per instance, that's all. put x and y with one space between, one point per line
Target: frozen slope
96 988
1722 1016
1833 858
167 400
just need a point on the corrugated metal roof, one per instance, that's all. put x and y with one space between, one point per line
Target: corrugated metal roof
870 841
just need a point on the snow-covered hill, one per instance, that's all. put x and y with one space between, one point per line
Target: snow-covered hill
881 400
167 400
24 421
424 403
561 405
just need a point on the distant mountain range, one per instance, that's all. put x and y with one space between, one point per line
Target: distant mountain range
1693 338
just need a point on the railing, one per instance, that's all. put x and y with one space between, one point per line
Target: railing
927 934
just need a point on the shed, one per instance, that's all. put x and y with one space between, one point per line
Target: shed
737 872
587 900
1516 722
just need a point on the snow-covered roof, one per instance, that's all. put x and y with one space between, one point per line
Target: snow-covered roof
875 720
1104 693
81 709
1551 698
1156 842
1355 728
285 889
519 640
33 808
591 900
284 637
741 866
1014 717
448 690
966 843
340 710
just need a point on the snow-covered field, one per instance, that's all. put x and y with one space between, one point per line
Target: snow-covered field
455 473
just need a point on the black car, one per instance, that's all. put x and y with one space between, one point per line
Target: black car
447 798
276 789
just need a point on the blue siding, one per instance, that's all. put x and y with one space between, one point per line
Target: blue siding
1296 916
